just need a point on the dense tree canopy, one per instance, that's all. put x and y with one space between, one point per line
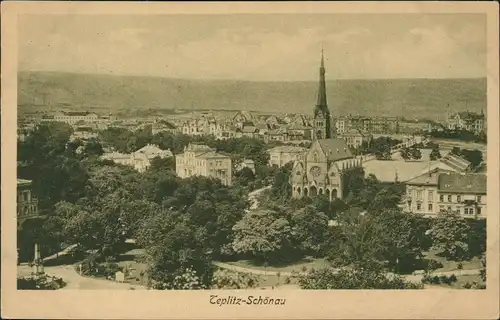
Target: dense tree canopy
263 235
449 234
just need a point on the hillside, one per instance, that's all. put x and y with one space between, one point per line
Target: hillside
108 93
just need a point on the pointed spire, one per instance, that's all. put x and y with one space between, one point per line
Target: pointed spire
322 58
322 85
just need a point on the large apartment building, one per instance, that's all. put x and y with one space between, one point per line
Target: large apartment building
441 190
204 161
74 117
386 125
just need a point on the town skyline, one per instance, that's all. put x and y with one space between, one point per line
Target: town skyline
257 48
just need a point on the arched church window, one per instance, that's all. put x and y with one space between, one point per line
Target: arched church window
298 173
315 157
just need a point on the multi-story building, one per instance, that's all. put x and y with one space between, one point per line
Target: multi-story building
279 156
325 169
249 131
195 127
386 125
442 190
27 203
355 138
74 117
469 121
140 159
204 161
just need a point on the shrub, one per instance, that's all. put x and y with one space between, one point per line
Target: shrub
435 280
453 279
444 279
467 285
433 265
287 280
43 282
474 285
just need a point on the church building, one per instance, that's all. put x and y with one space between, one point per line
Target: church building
328 165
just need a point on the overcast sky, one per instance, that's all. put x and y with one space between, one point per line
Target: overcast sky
257 47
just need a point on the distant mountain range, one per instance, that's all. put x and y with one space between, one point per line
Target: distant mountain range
411 98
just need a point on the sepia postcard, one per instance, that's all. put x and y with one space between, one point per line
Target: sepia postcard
257 160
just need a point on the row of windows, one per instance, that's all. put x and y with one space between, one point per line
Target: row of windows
467 210
449 198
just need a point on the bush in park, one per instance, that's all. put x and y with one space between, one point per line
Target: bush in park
43 282
444 279
452 278
435 280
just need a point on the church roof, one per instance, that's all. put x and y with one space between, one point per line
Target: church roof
335 149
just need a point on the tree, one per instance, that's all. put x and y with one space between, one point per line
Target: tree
404 238
406 154
353 278
173 248
475 157
309 229
337 206
358 239
435 154
450 234
386 198
93 147
263 235
244 176
482 271
416 154
162 164
477 237
281 188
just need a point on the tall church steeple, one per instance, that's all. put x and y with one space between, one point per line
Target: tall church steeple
322 119
322 84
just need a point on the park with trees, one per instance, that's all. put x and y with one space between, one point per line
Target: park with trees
187 228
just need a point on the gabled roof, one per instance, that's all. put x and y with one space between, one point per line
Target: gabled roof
288 149
428 178
462 183
249 129
335 149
